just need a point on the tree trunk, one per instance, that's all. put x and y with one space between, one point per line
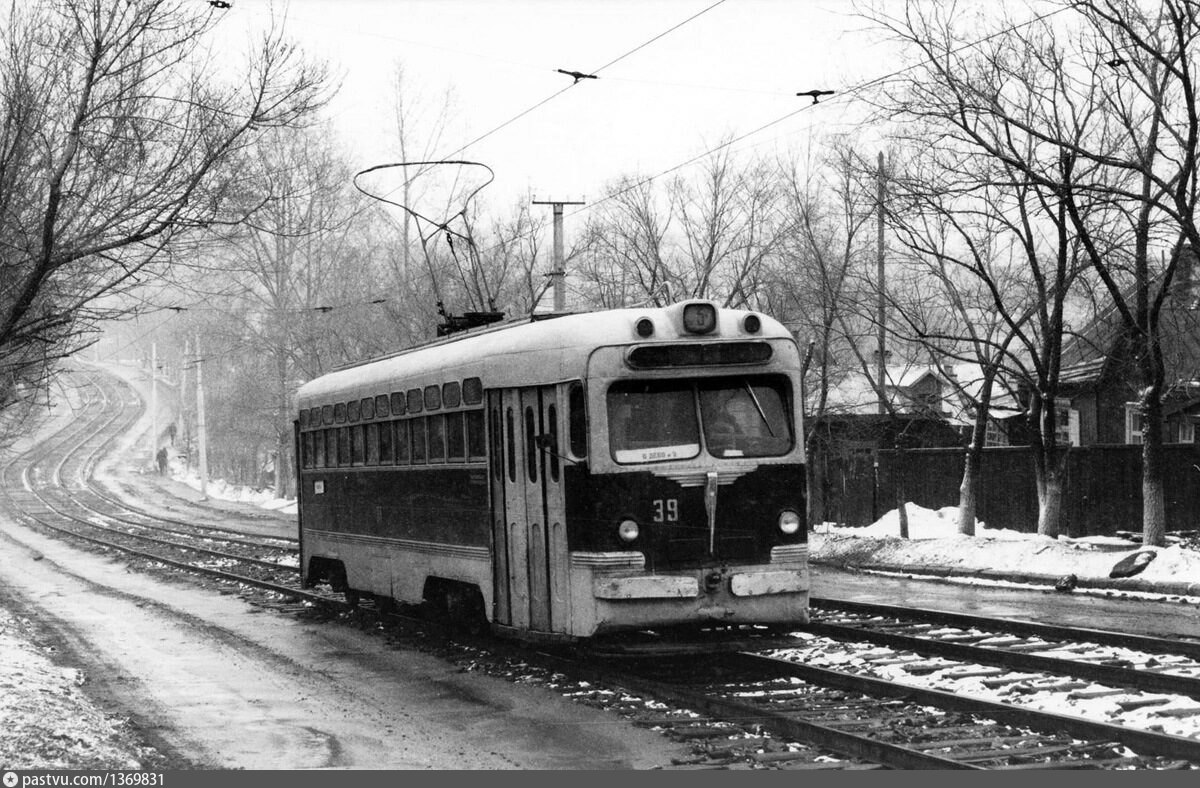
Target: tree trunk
968 491
1050 496
1154 510
967 496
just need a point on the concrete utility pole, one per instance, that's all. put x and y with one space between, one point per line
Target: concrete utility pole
200 423
881 317
154 401
558 274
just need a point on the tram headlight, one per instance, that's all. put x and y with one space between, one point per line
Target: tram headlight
644 327
789 521
628 530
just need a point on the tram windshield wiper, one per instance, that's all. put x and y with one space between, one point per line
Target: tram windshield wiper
758 407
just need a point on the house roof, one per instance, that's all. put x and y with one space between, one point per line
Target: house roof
1087 353
855 394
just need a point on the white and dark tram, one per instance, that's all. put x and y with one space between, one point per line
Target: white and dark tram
569 477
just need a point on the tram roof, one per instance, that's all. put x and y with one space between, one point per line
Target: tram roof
523 353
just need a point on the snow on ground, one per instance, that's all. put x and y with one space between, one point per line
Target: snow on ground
934 546
224 491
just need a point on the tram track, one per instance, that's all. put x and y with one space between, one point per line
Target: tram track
1140 663
50 487
876 722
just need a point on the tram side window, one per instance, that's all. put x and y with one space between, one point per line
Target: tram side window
472 391
476 439
319 449
387 455
397 403
373 443
306 448
531 448
381 406
496 432
343 447
510 444
403 442
417 436
358 449
456 448
577 416
552 428
437 438
331 447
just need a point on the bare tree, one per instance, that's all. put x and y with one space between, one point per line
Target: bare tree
1103 165
301 269
118 139
706 236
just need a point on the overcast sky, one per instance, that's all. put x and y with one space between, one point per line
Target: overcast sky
674 78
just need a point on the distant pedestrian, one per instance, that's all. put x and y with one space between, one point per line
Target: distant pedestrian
171 432
162 461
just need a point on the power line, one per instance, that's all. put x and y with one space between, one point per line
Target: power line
842 96
612 62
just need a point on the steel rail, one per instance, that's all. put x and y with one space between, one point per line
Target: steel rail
1108 637
996 655
1142 741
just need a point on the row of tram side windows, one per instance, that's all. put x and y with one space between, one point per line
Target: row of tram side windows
450 394
433 439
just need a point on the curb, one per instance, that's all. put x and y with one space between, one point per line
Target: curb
1108 584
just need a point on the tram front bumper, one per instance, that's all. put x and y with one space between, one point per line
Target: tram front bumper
753 583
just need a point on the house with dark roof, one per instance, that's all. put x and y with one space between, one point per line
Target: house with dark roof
1099 383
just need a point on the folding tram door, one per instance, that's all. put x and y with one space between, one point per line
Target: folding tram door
529 537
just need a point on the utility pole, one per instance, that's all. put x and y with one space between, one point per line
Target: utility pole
881 317
200 423
184 432
154 401
558 275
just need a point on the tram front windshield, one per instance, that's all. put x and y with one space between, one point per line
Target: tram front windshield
663 421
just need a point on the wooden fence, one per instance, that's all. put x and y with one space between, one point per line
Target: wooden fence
1103 491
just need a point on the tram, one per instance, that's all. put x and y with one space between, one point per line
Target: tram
568 477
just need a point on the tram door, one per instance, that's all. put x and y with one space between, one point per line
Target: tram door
529 539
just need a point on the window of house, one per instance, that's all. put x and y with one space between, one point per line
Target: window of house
996 435
1187 431
1066 423
1133 423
